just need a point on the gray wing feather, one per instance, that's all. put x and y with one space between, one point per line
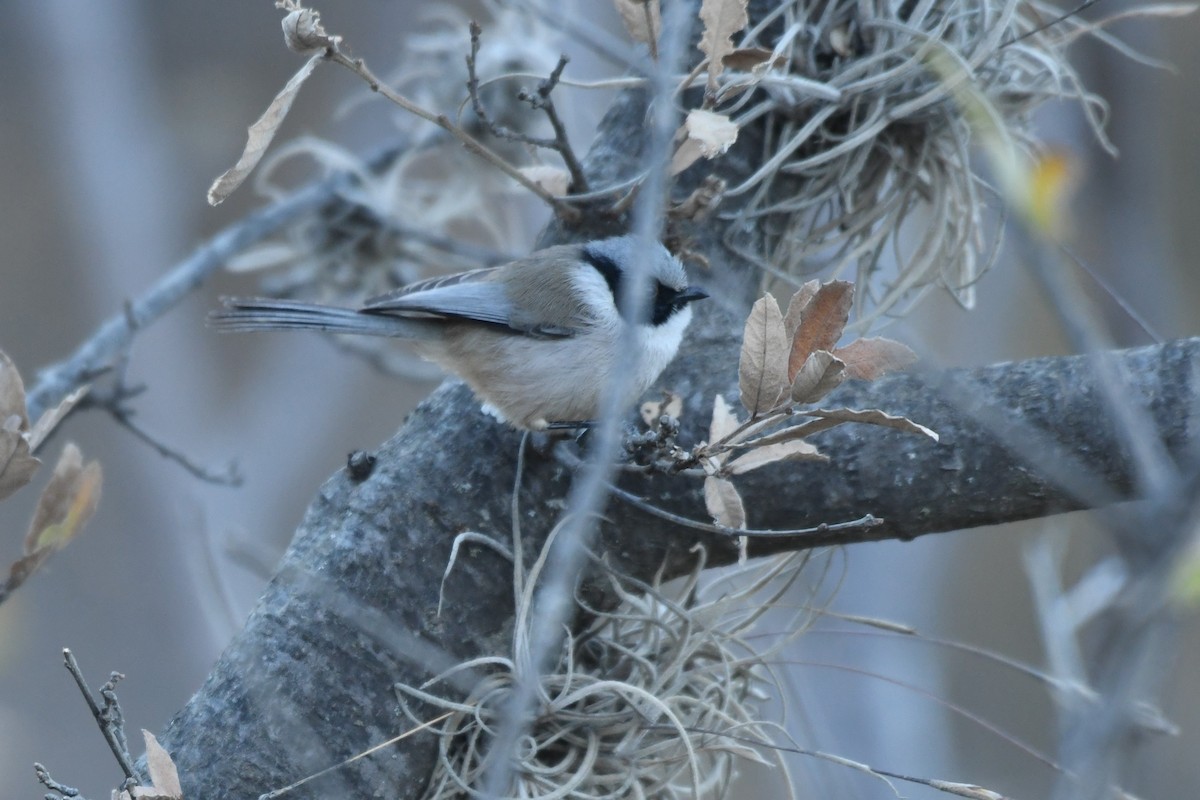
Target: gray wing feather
473 296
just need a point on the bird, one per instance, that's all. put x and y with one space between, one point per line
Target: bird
536 339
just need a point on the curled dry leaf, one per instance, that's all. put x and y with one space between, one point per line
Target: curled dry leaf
260 135
642 19
821 374
303 32
762 368
868 359
708 135
723 502
822 320
871 416
721 20
554 180
67 502
793 450
65 505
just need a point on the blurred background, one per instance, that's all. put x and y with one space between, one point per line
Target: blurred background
118 117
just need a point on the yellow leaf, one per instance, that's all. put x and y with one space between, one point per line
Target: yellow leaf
67 502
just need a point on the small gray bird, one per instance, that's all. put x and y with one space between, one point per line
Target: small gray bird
536 339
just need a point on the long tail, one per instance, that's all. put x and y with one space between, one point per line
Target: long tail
265 314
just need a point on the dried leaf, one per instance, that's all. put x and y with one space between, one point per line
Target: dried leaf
871 416
762 369
723 502
642 19
17 463
793 450
724 421
708 136
260 135
163 774
745 59
49 420
67 502
796 306
868 359
821 374
554 180
303 32
821 323
12 392
721 19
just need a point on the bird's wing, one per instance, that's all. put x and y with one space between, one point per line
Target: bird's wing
474 296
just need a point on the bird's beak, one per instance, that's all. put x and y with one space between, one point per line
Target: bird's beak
691 293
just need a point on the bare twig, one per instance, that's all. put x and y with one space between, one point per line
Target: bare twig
542 101
356 65
115 402
104 347
43 776
108 718
539 100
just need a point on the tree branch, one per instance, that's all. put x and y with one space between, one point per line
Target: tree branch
105 346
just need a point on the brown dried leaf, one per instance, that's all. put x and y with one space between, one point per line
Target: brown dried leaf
871 416
554 180
762 369
745 59
12 392
792 450
723 502
642 19
48 421
67 502
868 359
17 463
260 135
821 374
821 323
796 306
708 136
721 19
163 774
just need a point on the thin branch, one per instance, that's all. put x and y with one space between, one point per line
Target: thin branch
540 100
108 718
99 352
43 776
356 65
